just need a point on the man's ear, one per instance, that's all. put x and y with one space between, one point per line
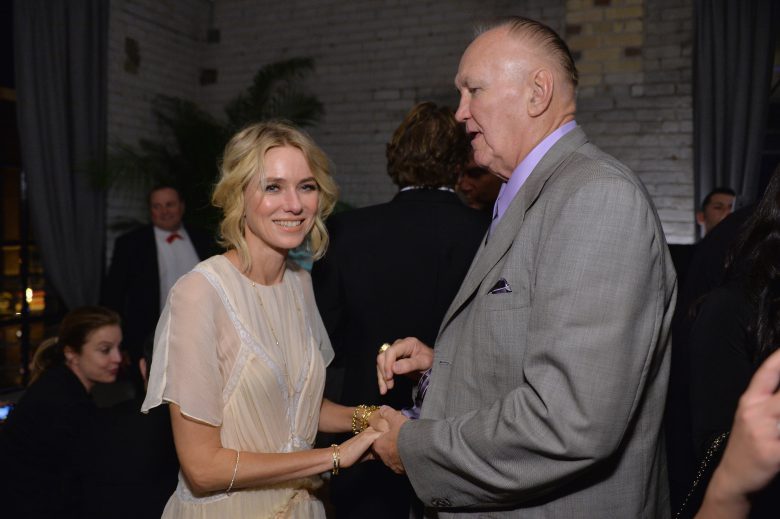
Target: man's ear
700 217
542 86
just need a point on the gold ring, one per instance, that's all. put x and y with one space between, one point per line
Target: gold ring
383 348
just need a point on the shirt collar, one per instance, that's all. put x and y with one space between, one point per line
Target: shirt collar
525 168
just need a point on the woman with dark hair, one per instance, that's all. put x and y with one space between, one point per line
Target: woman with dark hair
737 328
40 444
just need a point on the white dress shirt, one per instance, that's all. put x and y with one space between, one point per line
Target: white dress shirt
174 259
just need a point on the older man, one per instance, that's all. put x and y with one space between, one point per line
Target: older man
550 371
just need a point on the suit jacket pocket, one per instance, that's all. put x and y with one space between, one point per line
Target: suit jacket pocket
504 330
505 300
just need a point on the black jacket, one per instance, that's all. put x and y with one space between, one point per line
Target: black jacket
132 287
40 448
391 271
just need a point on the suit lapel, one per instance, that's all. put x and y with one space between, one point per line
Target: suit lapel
504 234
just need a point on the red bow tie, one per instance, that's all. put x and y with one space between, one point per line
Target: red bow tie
173 236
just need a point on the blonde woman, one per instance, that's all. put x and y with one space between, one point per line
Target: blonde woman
240 349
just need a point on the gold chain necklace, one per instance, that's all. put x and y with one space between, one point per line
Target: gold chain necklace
287 374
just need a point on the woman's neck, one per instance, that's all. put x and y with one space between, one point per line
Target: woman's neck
266 265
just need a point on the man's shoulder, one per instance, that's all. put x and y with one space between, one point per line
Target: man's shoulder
142 233
194 230
204 242
358 218
589 164
135 237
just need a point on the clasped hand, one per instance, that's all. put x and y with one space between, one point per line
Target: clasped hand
404 357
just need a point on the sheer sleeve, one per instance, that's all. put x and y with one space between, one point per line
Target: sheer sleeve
186 364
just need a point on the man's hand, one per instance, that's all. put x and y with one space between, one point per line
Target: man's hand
386 446
405 356
378 423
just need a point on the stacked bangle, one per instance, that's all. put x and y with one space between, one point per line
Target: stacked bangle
360 417
336 460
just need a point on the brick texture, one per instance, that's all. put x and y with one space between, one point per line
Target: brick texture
376 58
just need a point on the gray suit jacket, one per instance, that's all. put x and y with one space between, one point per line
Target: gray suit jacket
547 401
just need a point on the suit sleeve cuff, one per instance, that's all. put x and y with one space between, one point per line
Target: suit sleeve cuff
413 442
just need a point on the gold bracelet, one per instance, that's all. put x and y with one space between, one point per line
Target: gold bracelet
360 417
336 460
235 471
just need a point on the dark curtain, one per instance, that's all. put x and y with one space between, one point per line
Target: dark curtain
734 52
60 49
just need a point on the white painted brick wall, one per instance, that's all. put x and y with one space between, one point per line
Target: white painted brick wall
170 36
376 58
646 120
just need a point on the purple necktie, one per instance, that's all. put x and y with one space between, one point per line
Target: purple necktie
422 386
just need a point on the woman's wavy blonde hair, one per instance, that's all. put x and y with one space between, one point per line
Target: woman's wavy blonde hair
244 157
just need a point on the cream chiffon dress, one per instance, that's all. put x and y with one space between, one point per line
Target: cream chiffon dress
216 356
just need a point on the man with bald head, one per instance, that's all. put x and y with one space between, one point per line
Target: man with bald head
546 388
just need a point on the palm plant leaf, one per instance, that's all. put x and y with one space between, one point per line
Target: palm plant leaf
195 140
274 95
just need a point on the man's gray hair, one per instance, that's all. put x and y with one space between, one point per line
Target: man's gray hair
542 35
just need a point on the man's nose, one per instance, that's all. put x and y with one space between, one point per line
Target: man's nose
463 112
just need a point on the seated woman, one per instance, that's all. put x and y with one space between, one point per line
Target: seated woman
40 443
240 349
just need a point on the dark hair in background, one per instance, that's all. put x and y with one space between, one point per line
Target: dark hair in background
74 331
161 186
428 149
756 257
716 191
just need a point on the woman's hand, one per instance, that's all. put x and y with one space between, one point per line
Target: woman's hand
357 448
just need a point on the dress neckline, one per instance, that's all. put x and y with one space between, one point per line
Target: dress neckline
255 284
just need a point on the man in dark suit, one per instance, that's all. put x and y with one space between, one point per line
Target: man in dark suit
392 270
147 262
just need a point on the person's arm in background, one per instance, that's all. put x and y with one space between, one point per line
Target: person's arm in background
114 287
326 282
752 456
720 363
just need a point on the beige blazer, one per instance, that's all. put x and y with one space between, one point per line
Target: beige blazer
546 401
